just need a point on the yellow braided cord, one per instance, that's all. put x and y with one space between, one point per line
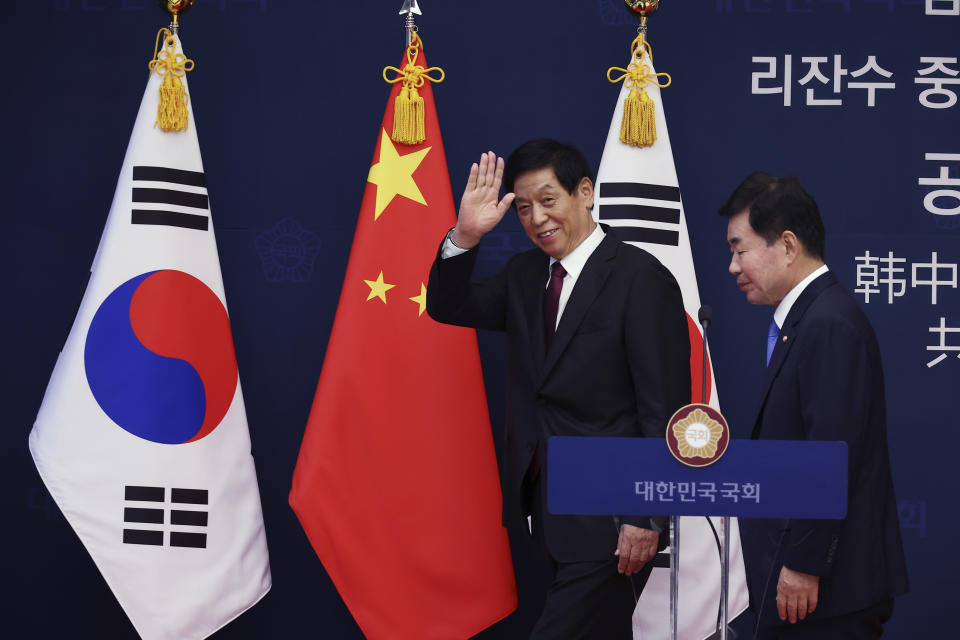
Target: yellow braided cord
172 113
408 116
639 125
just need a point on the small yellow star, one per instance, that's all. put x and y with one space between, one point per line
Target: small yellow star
421 299
393 175
379 288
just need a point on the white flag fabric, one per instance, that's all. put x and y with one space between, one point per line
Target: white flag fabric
638 192
142 436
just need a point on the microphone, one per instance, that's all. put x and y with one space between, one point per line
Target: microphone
705 315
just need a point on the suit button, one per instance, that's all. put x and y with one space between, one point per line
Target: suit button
541 401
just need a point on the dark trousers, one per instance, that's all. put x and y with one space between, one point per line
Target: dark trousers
865 624
585 600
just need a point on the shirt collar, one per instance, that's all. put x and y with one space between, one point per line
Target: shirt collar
574 262
780 315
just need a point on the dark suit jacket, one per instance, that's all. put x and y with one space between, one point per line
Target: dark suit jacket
825 382
618 365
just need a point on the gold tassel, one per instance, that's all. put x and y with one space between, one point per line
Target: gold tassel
408 120
172 112
409 126
639 124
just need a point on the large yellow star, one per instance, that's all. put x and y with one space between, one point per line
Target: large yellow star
379 288
393 175
421 299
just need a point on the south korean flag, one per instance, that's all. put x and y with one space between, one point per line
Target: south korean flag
142 437
638 193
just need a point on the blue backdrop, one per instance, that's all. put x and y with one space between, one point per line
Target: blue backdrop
857 97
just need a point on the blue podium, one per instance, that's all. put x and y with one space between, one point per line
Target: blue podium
753 479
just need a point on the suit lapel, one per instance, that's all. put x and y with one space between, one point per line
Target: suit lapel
534 287
585 291
788 335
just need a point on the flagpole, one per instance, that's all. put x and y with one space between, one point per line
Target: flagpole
409 9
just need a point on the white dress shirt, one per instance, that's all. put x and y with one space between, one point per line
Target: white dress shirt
573 264
780 315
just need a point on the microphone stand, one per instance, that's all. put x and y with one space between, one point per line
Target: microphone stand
706 317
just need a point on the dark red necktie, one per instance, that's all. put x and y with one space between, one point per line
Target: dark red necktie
551 301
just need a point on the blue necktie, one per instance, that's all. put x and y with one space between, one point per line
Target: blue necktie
772 334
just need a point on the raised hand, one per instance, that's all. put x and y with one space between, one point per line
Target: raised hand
480 211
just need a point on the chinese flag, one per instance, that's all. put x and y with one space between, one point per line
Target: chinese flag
396 483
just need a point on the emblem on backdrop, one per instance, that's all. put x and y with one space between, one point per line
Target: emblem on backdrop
287 252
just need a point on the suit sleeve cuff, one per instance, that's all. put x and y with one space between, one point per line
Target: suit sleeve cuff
816 557
644 522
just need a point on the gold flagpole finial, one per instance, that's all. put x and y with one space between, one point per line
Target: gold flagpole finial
175 8
410 8
643 9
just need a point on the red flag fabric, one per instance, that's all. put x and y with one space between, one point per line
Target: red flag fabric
396 483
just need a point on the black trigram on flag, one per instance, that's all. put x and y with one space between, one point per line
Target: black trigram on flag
156 515
643 212
170 197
